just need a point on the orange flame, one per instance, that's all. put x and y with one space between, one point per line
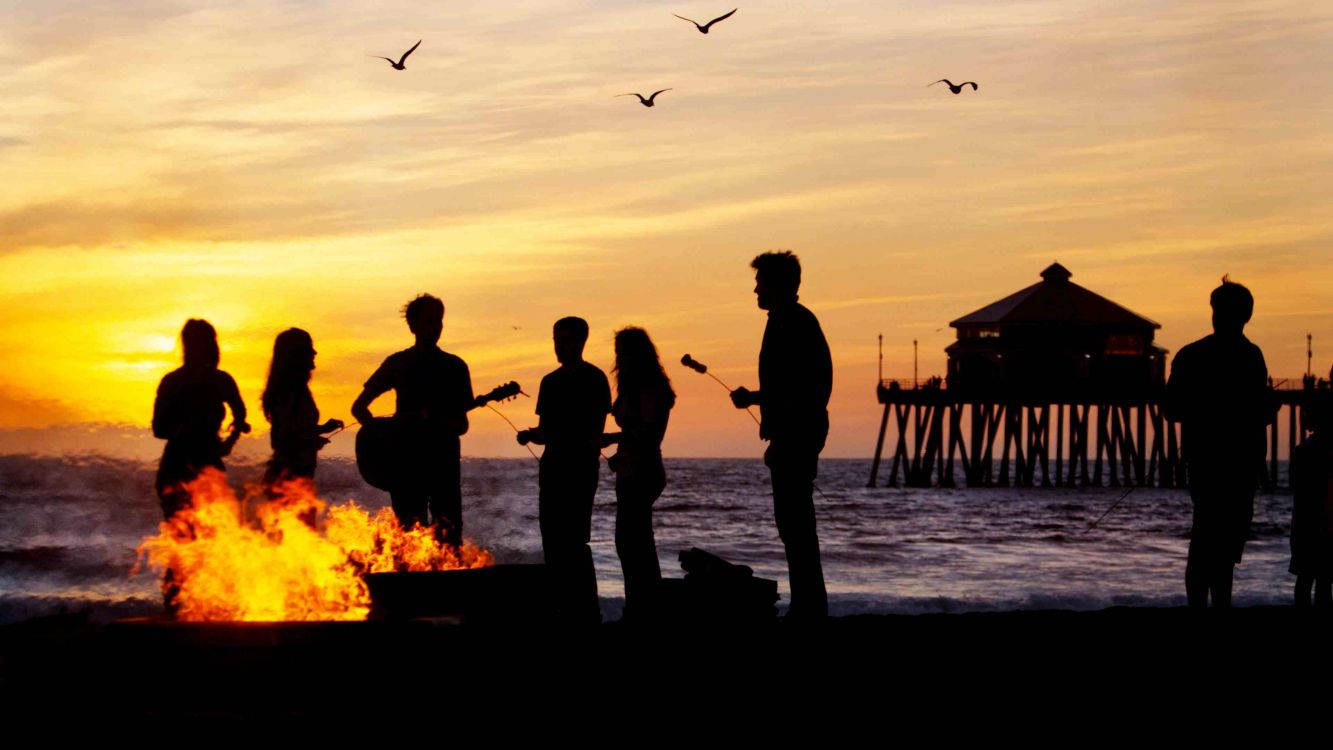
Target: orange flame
275 563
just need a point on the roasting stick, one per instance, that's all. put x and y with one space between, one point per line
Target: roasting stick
702 369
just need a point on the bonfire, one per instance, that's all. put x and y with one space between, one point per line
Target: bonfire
287 555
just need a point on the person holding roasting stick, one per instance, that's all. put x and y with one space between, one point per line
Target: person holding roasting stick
795 382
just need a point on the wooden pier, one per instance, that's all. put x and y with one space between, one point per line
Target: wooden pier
940 437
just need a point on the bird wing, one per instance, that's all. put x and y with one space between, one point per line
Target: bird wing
974 84
617 96
402 59
942 80
691 20
721 18
655 93
391 62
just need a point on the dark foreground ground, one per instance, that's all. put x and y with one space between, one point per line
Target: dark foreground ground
1031 671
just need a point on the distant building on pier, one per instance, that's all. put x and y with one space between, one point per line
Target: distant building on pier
1056 341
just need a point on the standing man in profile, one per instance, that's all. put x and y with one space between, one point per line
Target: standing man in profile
434 393
572 406
795 380
1218 392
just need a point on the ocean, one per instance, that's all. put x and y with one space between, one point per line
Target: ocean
69 526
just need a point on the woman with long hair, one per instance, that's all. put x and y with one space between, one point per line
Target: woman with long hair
297 434
191 402
188 411
644 398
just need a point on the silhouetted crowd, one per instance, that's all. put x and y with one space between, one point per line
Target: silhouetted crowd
1218 390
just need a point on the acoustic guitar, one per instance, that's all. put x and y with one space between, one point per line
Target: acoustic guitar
381 443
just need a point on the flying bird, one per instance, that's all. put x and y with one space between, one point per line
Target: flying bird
645 102
399 65
956 89
704 29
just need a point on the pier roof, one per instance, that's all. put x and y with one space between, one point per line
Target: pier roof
1055 299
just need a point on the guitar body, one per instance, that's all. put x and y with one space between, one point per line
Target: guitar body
379 452
381 443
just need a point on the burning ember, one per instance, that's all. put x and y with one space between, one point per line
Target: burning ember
289 558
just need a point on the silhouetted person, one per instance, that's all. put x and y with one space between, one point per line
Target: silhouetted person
297 435
1312 508
571 406
433 390
188 411
795 380
1218 392
642 407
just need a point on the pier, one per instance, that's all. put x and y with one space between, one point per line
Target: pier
1053 386
940 437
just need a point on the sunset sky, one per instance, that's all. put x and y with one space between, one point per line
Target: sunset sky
250 163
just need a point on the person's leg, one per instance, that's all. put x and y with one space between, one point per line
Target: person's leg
583 575
793 475
635 544
446 498
565 514
409 505
1304 585
1323 593
1197 569
1220 583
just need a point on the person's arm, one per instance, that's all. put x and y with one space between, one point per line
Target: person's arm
1174 404
535 434
458 422
361 406
233 399
744 398
289 433
166 416
379 383
603 409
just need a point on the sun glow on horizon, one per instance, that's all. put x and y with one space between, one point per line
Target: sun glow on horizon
273 176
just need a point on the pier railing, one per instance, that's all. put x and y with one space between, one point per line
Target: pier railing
1071 439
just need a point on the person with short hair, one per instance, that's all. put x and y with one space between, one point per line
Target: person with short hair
571 407
433 392
1218 392
795 382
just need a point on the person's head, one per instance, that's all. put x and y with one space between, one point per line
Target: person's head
199 343
293 361
569 334
1232 306
425 318
777 278
637 363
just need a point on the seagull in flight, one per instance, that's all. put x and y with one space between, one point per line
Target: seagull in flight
645 102
956 89
704 29
399 65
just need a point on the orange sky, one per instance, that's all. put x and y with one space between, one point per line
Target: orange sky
249 163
